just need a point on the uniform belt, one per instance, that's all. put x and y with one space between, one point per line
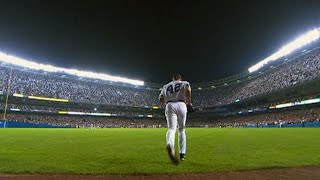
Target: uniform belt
175 101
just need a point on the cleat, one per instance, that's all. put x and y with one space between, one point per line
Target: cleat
172 155
182 157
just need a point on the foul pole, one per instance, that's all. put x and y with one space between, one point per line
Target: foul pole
7 97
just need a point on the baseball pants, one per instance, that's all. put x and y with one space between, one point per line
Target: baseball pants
176 115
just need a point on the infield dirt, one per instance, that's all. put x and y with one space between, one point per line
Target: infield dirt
301 173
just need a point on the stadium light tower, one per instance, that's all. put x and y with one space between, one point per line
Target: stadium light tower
32 65
299 42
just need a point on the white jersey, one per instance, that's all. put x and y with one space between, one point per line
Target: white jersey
174 91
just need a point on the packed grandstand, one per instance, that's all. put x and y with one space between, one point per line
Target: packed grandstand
248 100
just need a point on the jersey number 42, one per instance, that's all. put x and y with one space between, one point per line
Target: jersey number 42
174 89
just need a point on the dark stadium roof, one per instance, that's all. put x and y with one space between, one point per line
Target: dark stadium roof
150 40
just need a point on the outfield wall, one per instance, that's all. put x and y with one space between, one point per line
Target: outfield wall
14 124
298 125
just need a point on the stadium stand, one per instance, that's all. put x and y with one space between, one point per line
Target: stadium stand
273 119
86 121
37 83
298 70
114 98
298 116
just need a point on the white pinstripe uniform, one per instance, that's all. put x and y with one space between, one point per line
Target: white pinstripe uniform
174 94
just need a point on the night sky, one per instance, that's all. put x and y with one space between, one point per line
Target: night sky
150 40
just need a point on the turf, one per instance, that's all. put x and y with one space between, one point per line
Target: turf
142 151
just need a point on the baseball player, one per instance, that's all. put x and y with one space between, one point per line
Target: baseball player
177 97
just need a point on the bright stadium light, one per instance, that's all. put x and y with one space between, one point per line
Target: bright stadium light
32 65
287 49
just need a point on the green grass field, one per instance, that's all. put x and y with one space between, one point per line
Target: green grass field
142 151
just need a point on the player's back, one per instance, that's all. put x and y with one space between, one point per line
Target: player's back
174 91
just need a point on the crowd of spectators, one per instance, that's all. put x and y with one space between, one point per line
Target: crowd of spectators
298 70
55 110
256 120
87 121
75 89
